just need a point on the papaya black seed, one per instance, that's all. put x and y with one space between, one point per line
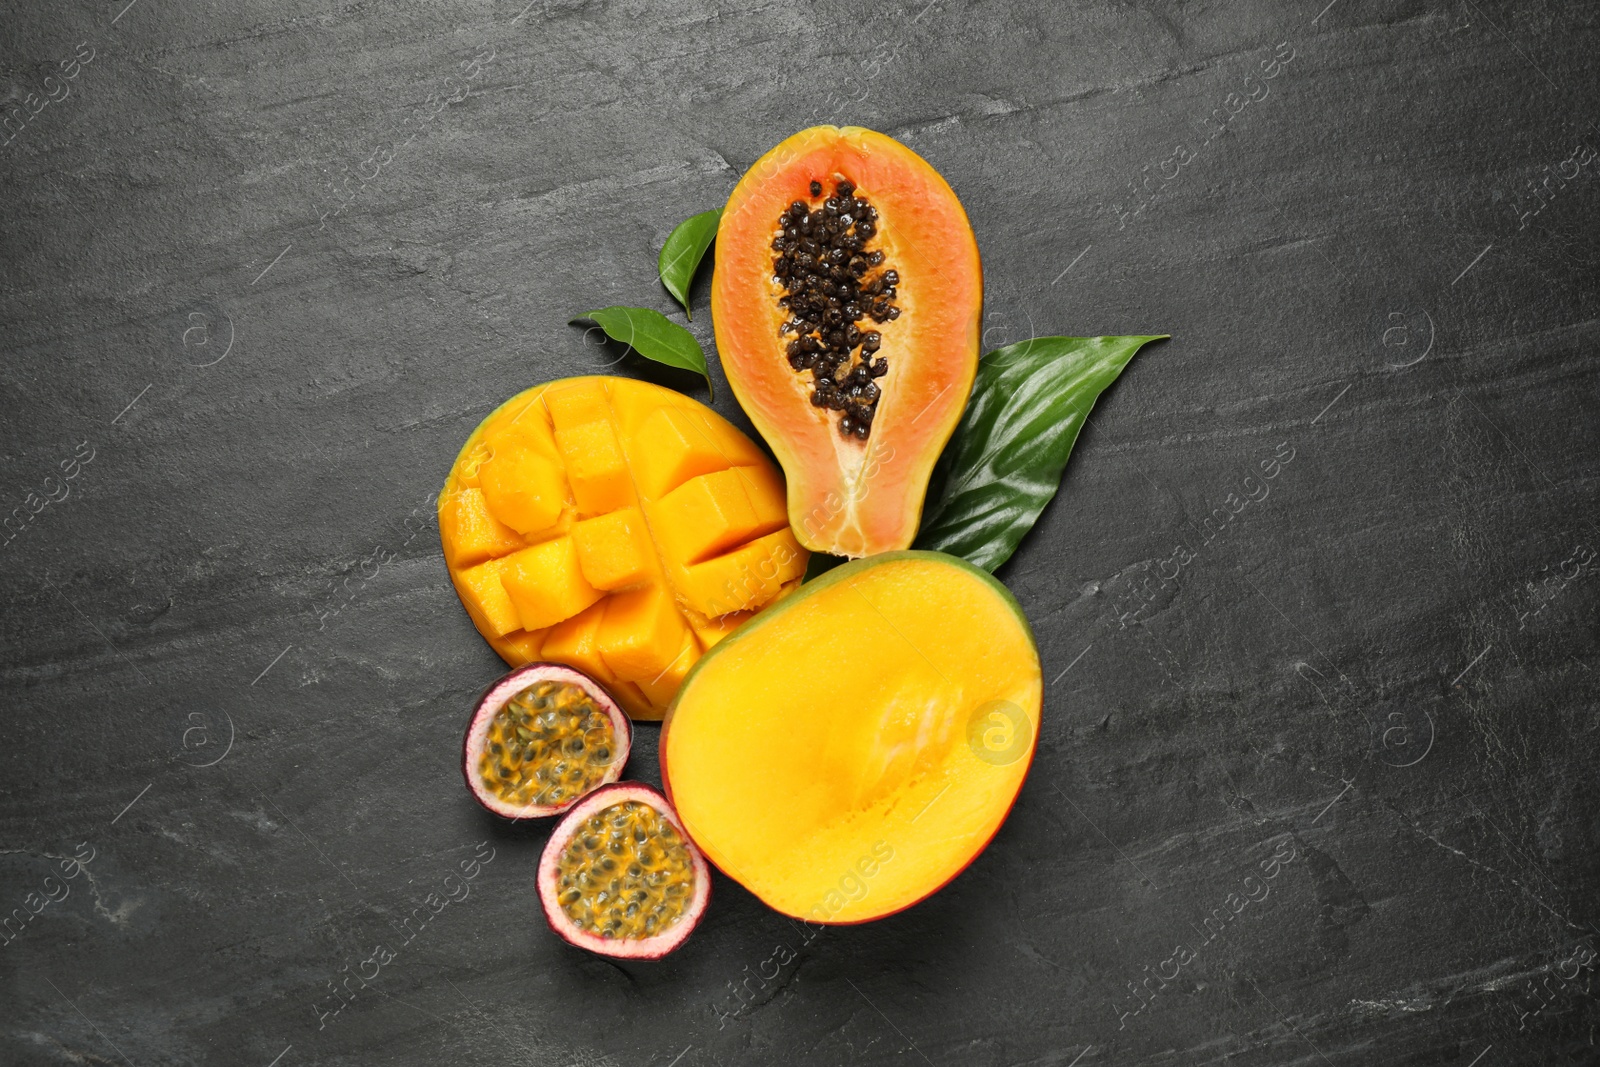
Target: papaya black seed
824 272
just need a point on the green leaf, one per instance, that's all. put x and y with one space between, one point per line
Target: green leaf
650 334
680 256
821 563
1004 462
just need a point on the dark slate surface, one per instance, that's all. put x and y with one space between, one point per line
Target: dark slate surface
1379 666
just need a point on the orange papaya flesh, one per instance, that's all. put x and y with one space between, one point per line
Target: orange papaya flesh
847 302
616 527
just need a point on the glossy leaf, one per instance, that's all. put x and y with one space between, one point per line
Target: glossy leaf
1004 462
650 334
821 563
680 256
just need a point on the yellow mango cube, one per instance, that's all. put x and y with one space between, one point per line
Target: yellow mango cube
485 598
642 634
614 550
546 584
711 630
706 516
576 642
764 486
746 578
671 446
470 532
523 489
524 644
524 425
576 402
661 688
595 466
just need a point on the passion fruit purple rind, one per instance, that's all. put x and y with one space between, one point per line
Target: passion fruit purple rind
540 739
620 876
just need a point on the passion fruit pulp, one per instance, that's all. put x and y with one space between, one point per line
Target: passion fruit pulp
620 876
541 738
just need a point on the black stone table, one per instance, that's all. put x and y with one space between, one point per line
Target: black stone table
1316 782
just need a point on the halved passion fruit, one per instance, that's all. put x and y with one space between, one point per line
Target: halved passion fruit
620 876
847 301
540 739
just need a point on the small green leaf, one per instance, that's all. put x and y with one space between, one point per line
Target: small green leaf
680 256
1004 462
650 334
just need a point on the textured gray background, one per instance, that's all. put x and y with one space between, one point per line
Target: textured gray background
1389 662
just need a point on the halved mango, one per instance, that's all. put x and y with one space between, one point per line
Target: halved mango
853 747
623 523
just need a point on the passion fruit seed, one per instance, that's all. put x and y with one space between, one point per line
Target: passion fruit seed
548 743
626 874
822 266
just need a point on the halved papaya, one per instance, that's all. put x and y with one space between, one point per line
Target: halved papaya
616 527
847 301
852 748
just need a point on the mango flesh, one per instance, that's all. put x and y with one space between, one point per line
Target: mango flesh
616 527
854 747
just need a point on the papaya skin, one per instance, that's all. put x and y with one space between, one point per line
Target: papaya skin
850 497
852 764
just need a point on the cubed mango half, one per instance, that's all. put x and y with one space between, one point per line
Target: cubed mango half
615 526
